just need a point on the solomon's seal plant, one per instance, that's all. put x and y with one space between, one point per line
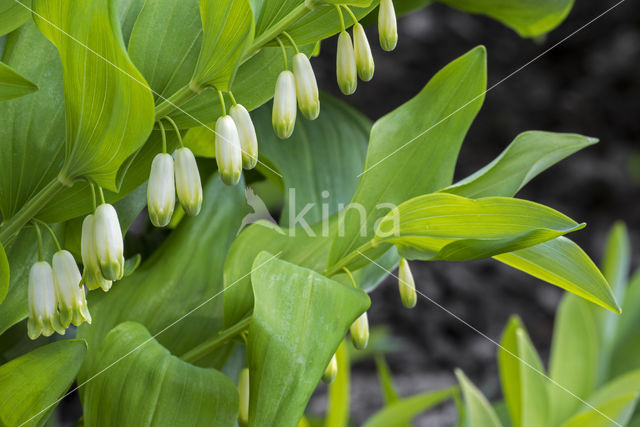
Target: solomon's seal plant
111 106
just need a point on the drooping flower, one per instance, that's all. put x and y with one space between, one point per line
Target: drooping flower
43 315
161 190
406 285
247 135
346 71
109 242
283 117
91 274
306 87
387 25
362 50
188 184
243 392
360 332
330 371
228 150
69 290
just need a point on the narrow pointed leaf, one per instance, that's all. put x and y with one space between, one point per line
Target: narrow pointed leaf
389 393
13 14
339 391
627 344
4 274
478 411
617 410
12 84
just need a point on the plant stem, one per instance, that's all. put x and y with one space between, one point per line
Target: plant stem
204 348
29 210
340 265
170 104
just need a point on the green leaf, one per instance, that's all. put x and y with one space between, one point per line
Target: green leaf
561 262
299 319
627 341
109 107
339 389
509 367
4 274
529 154
128 11
575 333
228 30
31 385
12 84
431 126
143 384
479 412
619 386
13 14
529 18
617 410
402 411
389 392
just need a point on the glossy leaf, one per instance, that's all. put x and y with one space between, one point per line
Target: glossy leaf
13 14
31 384
617 411
627 342
529 154
146 385
299 319
623 385
109 107
529 18
478 411
12 84
5 275
561 262
430 126
228 30
339 391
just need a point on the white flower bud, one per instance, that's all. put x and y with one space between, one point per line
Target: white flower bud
283 117
109 243
43 316
346 65
188 185
228 151
161 190
91 274
387 25
306 87
360 332
362 50
406 285
243 392
330 371
69 290
247 134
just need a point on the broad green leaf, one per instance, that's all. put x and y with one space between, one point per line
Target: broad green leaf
228 30
430 127
627 342
574 356
31 385
339 391
389 393
13 14
619 386
5 276
529 154
128 11
615 411
299 319
479 412
402 411
182 274
143 384
12 84
561 262
529 18
109 107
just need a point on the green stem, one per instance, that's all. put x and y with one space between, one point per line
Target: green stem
284 53
29 210
340 265
341 17
204 348
293 43
164 136
174 102
233 99
51 233
353 17
224 109
93 196
101 193
266 37
39 238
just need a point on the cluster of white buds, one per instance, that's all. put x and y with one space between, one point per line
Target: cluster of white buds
360 332
406 285
331 371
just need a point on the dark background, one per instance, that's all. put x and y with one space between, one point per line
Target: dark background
589 85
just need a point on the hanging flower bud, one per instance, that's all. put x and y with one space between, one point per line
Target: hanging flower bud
247 135
109 244
188 185
243 391
406 285
362 50
91 275
161 191
228 151
69 290
346 65
360 332
331 371
387 25
306 87
43 316
283 117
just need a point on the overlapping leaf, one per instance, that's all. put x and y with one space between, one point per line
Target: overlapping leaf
478 411
13 14
12 84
